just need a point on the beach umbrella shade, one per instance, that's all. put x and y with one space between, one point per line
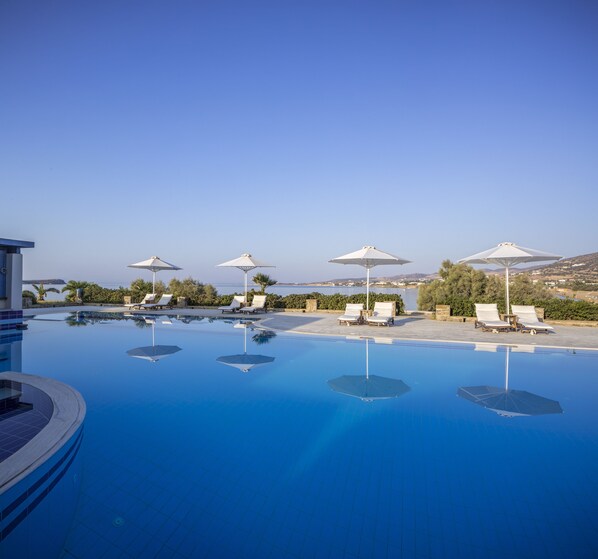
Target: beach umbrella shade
369 387
508 402
508 255
368 257
154 264
153 352
245 262
244 361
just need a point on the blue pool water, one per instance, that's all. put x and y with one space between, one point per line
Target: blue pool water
186 456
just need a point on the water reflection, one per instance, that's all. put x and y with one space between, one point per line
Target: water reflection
245 362
11 352
154 352
369 387
508 402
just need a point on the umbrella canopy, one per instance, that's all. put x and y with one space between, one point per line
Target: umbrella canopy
508 402
245 262
368 387
154 264
508 255
368 257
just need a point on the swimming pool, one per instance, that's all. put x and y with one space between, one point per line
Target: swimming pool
232 442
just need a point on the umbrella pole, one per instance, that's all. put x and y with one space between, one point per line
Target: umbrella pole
154 281
507 282
367 297
245 286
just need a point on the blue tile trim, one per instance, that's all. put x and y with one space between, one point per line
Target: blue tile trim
72 453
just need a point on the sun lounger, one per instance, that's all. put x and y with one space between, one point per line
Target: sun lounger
383 314
352 314
163 302
149 298
528 321
488 319
235 304
258 304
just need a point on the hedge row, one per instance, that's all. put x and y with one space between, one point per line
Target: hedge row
333 302
555 309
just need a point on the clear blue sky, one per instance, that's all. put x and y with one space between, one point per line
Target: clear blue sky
296 130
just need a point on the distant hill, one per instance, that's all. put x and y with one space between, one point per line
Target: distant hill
582 268
575 268
377 279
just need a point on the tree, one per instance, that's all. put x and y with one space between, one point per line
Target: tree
524 291
461 287
192 290
43 291
459 282
71 289
264 281
140 288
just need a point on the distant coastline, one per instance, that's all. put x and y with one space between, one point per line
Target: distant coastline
349 284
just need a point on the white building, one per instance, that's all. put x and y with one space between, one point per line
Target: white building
11 281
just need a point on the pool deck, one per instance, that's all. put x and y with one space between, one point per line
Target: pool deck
415 326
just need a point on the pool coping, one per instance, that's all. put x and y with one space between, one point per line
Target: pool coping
424 340
67 416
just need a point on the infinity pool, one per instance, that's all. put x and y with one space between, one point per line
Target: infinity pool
215 439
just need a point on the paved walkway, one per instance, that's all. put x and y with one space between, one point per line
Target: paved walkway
409 327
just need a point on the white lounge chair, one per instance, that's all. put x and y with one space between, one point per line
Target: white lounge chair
352 314
488 319
234 306
149 298
383 314
163 302
258 304
528 321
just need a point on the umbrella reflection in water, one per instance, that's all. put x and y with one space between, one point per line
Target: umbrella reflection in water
244 361
508 402
153 352
368 387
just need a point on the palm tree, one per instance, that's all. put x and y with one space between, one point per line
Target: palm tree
263 280
43 291
72 286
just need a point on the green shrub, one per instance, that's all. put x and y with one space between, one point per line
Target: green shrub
568 309
333 302
31 295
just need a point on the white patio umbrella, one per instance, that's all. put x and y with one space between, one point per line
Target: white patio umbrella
245 262
154 264
508 255
368 257
369 387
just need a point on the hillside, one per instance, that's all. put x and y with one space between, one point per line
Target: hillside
576 268
582 268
